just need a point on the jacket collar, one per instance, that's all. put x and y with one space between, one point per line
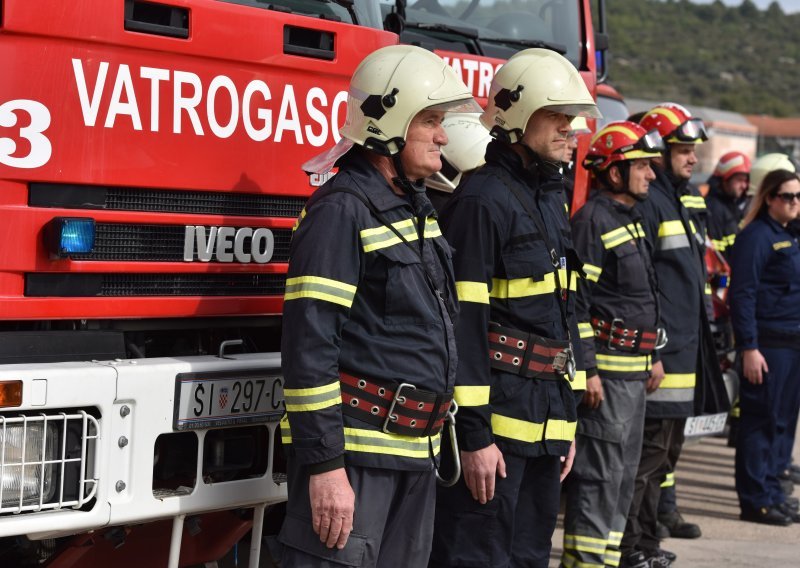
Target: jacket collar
538 174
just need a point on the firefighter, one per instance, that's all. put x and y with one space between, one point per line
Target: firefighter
726 199
618 320
765 306
517 384
673 218
368 347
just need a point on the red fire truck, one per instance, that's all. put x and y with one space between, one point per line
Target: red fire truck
150 175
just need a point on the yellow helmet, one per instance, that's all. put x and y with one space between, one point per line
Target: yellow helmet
388 89
533 79
766 164
465 150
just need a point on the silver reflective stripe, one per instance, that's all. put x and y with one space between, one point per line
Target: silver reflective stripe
672 395
673 242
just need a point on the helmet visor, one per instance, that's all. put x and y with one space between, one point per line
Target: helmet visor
690 132
650 142
461 105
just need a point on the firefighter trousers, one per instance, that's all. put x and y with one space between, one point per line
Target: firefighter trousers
392 524
640 530
768 410
600 487
513 529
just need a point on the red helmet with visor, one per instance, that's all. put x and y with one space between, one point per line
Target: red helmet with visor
732 163
675 124
620 141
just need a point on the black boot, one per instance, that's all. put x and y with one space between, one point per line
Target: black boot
766 516
677 526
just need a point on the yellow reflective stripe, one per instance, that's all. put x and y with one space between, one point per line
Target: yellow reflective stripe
623 363
522 287
585 330
693 201
532 432
615 538
781 245
320 288
678 381
708 289
570 561
299 218
383 237
592 272
376 442
477 292
472 395
671 228
585 543
730 239
720 245
622 235
579 382
315 398
612 557
669 480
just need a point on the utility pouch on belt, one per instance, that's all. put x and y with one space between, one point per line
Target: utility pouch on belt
396 408
530 355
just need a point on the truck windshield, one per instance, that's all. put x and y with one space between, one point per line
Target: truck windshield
496 28
361 12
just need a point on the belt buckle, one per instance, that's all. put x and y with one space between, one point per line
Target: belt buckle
397 398
564 363
661 338
610 341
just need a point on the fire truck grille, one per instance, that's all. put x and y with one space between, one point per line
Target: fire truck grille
138 285
70 196
158 243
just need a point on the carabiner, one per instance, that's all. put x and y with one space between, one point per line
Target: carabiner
451 420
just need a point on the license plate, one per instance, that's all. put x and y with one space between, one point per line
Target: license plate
209 400
705 425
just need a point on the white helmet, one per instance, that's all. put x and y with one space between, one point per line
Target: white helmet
387 90
766 164
533 79
465 150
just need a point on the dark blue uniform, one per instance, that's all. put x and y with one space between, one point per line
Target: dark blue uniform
505 276
765 310
619 287
362 303
724 215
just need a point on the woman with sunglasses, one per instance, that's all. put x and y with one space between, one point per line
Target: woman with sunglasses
765 309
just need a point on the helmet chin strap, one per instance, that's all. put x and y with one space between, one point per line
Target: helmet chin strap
408 186
624 169
546 168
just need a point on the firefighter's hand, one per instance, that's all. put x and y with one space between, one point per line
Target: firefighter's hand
656 376
594 392
754 366
332 506
566 462
480 468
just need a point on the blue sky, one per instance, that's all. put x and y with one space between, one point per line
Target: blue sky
789 6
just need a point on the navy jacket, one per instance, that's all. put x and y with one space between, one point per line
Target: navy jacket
724 216
765 282
358 300
504 274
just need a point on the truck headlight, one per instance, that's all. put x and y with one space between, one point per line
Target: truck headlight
27 463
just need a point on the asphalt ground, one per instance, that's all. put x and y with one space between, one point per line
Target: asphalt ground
706 496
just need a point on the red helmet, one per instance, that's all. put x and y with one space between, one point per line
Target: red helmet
732 163
620 141
675 124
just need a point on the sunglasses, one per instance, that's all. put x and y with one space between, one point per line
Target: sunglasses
788 197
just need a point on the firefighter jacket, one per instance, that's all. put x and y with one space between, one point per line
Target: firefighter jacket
359 300
619 286
765 287
504 275
724 216
674 221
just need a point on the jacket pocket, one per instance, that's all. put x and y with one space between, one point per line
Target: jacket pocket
409 298
298 533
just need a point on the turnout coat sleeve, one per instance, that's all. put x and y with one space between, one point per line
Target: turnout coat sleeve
469 228
589 246
324 274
